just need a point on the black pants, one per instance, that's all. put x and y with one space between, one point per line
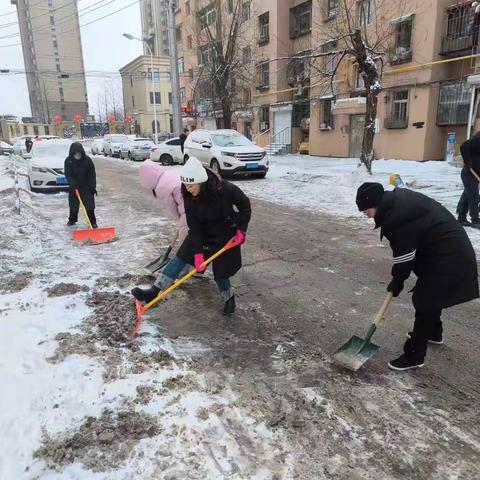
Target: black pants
74 205
427 324
470 197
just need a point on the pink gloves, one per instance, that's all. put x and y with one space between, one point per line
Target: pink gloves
240 237
198 259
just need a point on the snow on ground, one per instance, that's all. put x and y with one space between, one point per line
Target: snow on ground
329 185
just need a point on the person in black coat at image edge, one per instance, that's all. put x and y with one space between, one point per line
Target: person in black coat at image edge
426 239
470 198
216 211
80 173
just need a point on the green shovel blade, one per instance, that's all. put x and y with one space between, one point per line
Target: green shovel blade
355 353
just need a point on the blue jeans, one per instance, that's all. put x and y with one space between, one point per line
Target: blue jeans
172 271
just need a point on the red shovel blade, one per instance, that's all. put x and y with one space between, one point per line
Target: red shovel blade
140 311
97 235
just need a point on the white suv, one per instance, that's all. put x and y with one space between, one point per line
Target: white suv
227 152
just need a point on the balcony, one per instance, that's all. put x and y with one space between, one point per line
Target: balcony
399 55
396 123
458 36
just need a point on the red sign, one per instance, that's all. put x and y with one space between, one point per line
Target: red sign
111 118
77 118
187 109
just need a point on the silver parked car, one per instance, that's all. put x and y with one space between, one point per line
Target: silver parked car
136 149
97 146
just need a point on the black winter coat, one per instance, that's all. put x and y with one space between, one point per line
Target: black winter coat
426 239
81 174
470 151
213 218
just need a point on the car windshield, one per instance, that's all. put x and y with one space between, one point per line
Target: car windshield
144 140
45 151
228 140
119 139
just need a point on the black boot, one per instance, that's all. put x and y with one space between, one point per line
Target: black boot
230 306
70 223
475 224
436 338
405 362
464 222
146 294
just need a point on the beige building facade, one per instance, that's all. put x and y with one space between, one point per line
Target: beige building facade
141 96
53 57
295 89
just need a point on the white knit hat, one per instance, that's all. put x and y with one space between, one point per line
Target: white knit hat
193 172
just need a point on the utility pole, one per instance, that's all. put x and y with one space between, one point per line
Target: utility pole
172 47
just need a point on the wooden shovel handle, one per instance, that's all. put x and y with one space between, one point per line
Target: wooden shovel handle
383 309
174 240
475 174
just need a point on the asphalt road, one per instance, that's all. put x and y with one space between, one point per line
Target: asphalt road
309 282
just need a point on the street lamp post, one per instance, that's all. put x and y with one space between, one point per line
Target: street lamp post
131 37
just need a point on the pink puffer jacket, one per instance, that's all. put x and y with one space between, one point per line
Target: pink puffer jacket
167 187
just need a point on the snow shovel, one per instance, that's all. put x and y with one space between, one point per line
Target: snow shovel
161 261
357 351
141 309
92 235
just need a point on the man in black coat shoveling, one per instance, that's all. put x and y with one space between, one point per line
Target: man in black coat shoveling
470 198
80 173
426 239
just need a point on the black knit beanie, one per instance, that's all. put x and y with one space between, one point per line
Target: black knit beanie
369 195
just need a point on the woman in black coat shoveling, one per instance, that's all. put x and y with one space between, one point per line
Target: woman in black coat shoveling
80 173
216 211
426 239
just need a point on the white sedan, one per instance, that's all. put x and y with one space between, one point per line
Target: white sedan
97 147
167 152
46 166
136 149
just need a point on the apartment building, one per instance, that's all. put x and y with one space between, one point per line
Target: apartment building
154 27
144 96
297 86
53 57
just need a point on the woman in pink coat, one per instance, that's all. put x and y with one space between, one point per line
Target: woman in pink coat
167 189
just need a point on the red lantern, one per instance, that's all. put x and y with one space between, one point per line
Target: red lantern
111 118
128 118
58 119
77 118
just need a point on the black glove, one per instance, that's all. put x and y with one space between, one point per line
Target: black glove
93 191
395 286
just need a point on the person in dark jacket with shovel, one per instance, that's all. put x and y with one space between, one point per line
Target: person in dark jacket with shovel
216 211
470 198
426 239
80 173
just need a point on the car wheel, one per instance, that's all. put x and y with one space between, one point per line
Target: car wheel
215 166
166 159
185 158
262 175
130 155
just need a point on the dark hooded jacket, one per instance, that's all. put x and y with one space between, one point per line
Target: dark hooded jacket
426 239
213 218
81 175
470 151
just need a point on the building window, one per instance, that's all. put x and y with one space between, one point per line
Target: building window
264 118
52 20
47 130
60 91
131 80
208 17
181 66
264 28
156 74
189 41
399 113
453 103
402 51
190 74
230 6
359 80
55 44
58 67
187 7
170 98
247 55
25 129
263 72
366 12
301 19
157 98
298 68
247 96
332 8
301 112
133 101
331 60
178 33
182 95
50 3
245 11
327 121
206 55
35 130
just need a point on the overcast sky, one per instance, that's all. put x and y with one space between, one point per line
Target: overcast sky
104 49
